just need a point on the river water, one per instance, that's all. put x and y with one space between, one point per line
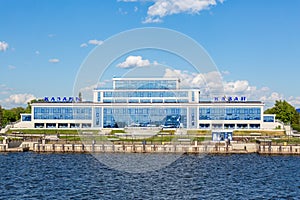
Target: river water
80 176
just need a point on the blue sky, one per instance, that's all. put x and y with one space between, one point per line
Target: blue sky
255 44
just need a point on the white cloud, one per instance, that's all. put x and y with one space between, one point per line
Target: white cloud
272 97
225 72
295 101
92 42
3 46
95 42
11 67
134 61
54 60
208 83
17 100
152 20
83 45
136 8
235 87
212 83
37 52
162 8
87 91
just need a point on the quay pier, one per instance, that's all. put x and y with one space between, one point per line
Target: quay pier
239 148
190 147
140 148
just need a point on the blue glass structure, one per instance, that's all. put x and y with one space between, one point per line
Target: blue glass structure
151 102
269 118
62 113
230 113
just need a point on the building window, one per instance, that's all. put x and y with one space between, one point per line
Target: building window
269 118
235 113
99 97
26 118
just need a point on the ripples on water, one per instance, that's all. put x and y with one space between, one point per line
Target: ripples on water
81 176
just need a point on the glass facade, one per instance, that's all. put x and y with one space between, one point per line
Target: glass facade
26 118
144 96
98 117
230 113
149 103
145 84
112 100
192 122
141 94
63 113
143 117
269 118
99 96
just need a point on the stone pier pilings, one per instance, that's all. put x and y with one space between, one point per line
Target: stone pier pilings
279 149
142 148
240 148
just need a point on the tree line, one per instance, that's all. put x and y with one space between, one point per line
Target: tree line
8 116
286 113
11 115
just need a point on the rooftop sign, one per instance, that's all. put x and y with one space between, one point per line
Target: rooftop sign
62 99
230 98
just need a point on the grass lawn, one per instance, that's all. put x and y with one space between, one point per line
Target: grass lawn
263 133
288 140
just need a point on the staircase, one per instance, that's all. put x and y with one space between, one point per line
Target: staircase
4 130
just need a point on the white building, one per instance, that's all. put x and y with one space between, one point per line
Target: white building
148 102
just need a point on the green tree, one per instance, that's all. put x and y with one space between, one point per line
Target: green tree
11 115
28 108
17 112
285 112
8 116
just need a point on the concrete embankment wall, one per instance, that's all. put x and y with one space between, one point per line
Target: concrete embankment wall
3 147
132 148
279 149
172 148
